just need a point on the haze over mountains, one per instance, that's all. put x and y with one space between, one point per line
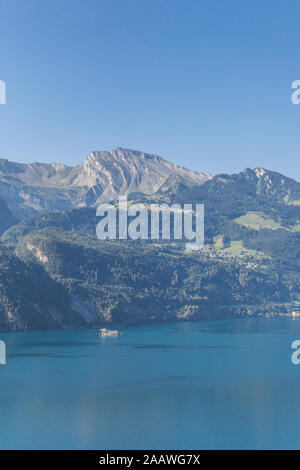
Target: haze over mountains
55 273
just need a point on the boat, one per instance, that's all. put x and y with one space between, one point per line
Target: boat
107 332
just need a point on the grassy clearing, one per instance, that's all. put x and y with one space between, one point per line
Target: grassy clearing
257 221
237 248
218 242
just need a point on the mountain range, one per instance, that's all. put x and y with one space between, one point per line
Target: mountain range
55 273
33 188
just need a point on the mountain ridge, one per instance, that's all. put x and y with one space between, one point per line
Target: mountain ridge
33 188
249 264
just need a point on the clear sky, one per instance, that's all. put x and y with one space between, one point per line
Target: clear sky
206 84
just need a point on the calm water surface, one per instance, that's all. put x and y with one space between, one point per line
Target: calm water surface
209 385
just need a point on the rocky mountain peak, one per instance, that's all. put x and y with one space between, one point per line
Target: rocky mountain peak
38 187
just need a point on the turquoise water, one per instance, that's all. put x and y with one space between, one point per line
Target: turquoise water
209 385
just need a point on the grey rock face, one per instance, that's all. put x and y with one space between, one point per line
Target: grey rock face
31 189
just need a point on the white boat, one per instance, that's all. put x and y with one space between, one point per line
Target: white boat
107 332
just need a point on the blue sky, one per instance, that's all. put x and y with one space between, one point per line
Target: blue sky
206 84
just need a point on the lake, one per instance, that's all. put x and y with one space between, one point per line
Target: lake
199 385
